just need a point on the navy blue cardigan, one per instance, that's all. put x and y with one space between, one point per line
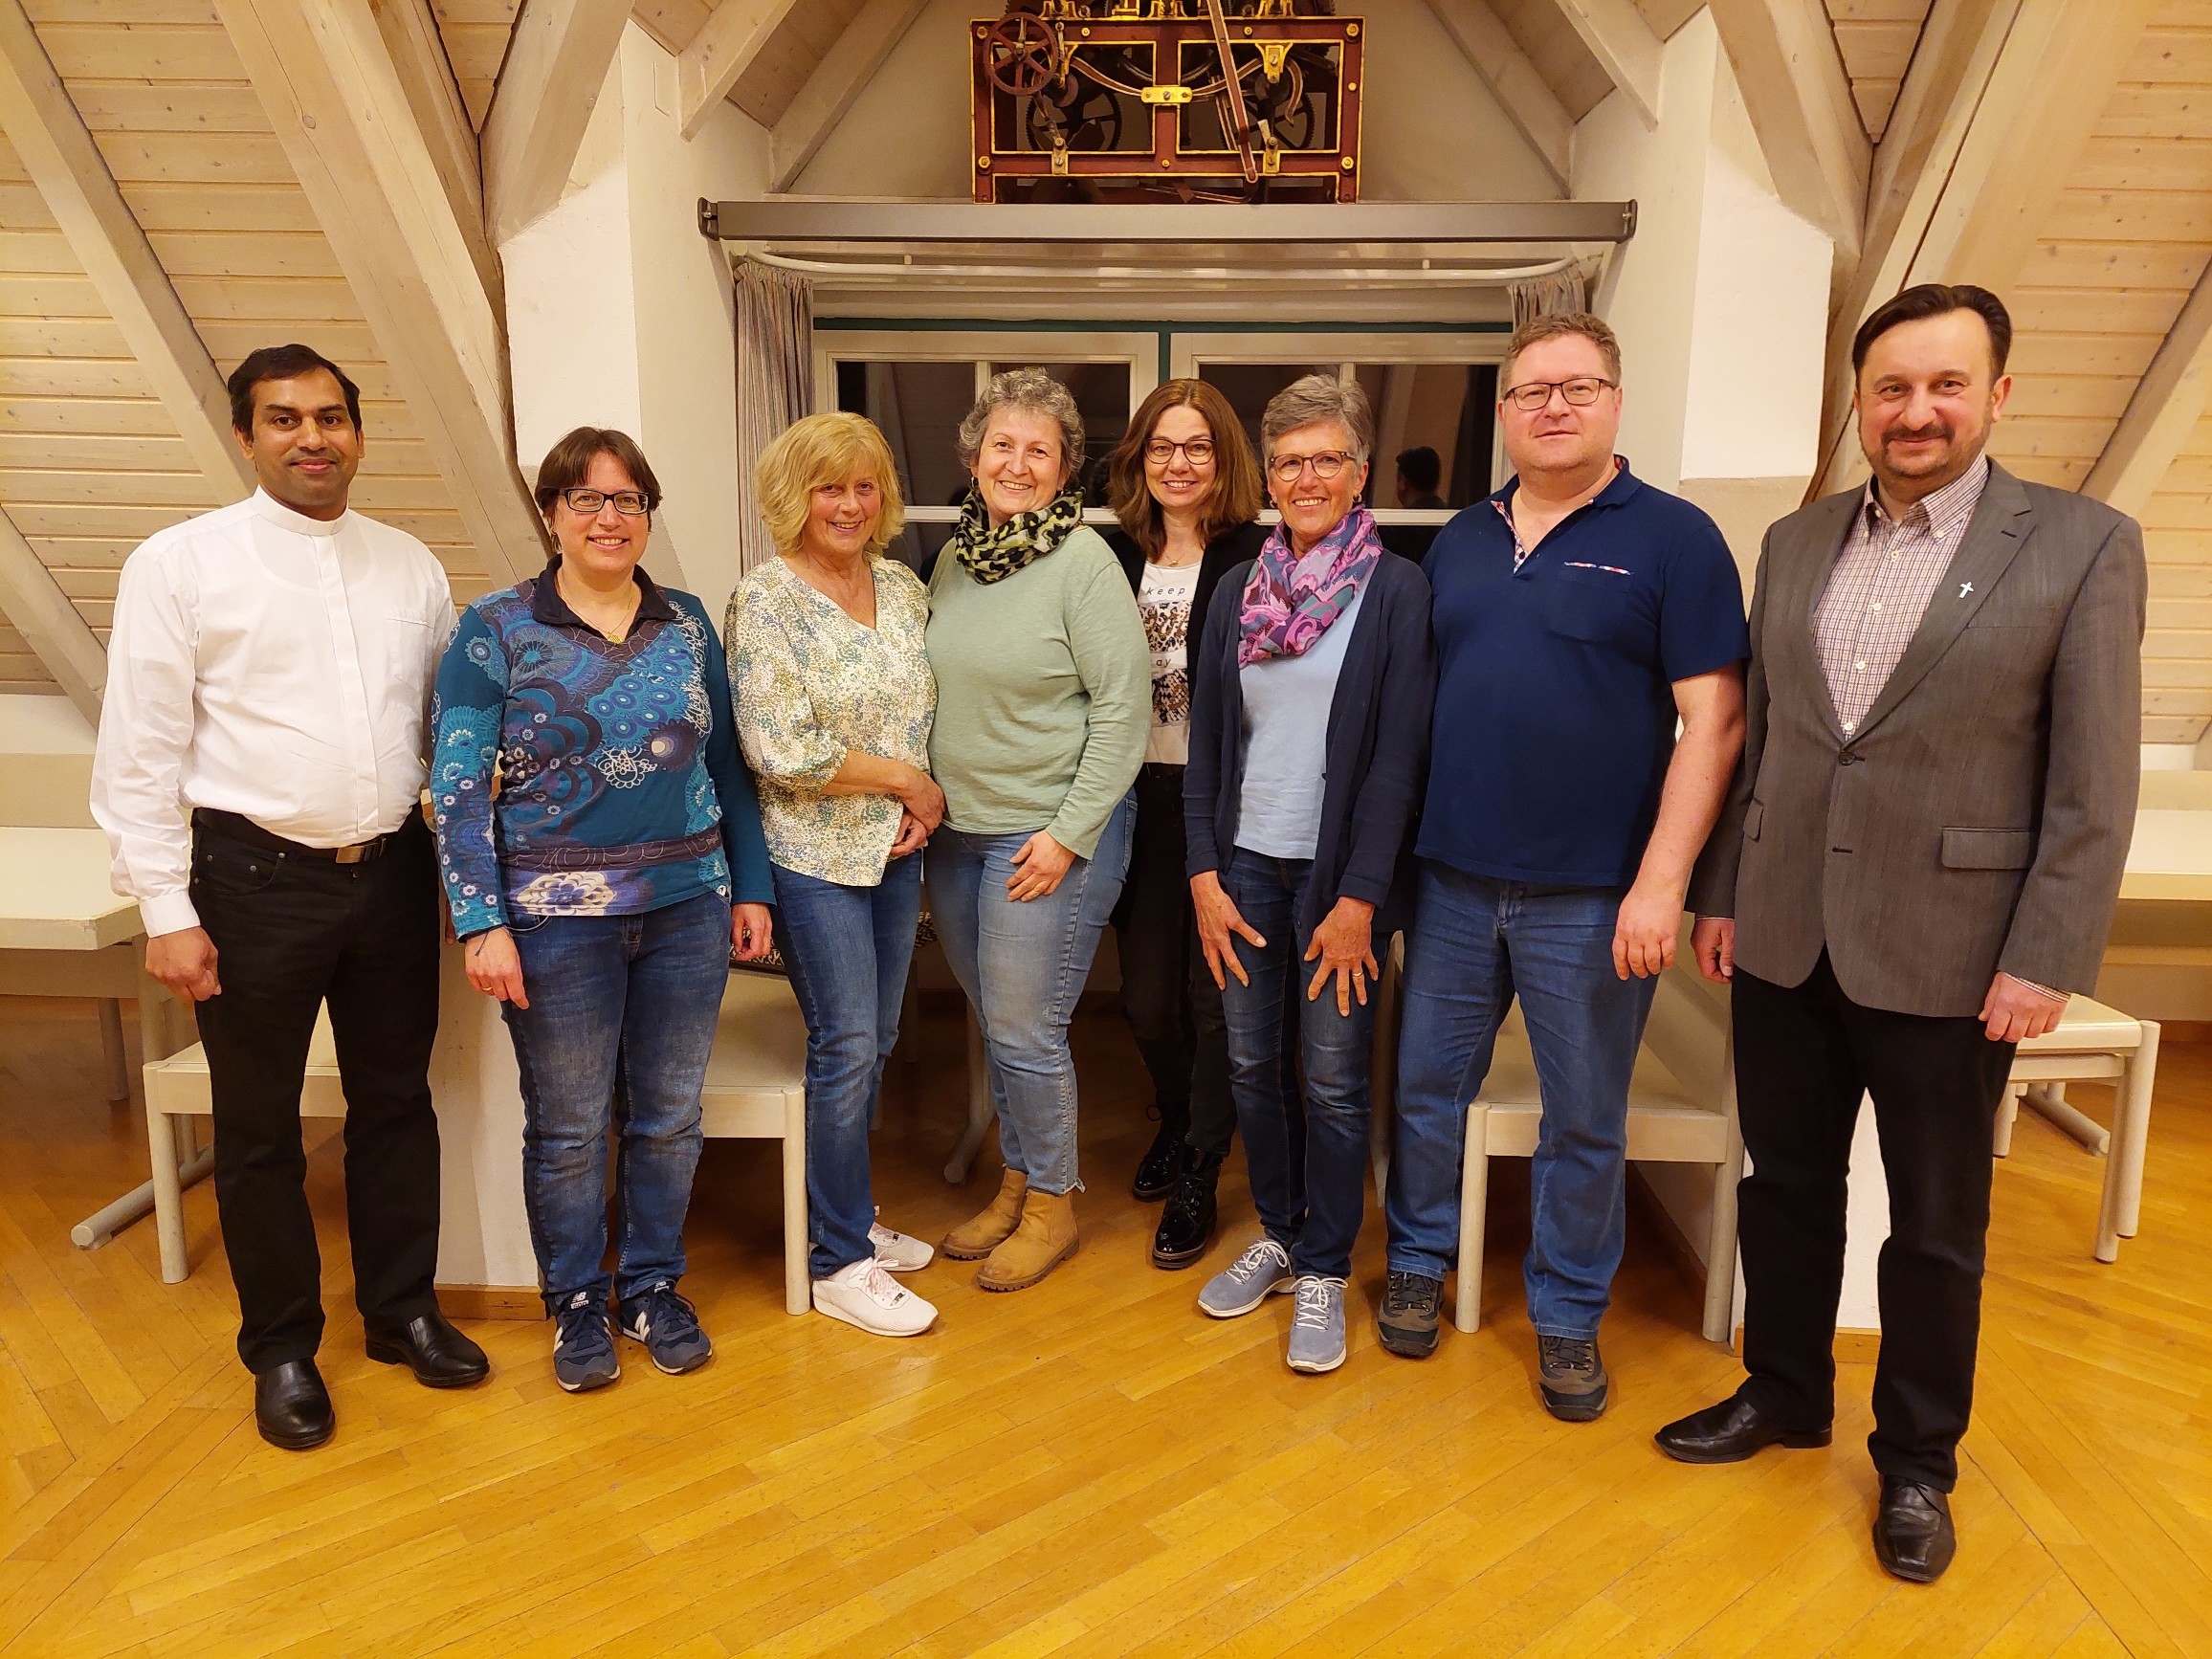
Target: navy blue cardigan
1376 755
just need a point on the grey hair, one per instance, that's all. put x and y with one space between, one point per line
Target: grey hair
1319 397
1031 389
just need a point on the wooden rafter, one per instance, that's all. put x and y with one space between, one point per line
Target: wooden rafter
1528 101
721 53
837 80
555 64
1793 83
73 178
50 625
2162 412
418 53
1624 47
343 118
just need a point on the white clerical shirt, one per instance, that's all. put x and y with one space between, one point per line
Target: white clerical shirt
270 665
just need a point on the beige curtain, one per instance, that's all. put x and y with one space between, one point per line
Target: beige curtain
1541 296
775 381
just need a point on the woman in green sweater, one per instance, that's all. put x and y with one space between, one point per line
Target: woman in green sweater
1044 702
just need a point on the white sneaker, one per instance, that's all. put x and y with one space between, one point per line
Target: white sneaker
897 1251
864 1295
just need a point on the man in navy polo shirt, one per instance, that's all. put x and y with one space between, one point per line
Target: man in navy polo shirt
1578 614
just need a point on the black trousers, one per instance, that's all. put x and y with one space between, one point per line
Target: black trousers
1174 1006
1804 1055
291 932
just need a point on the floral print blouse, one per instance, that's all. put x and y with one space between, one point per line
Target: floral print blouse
809 683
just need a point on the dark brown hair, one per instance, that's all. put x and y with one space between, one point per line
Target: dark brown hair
1236 495
567 463
1938 300
283 363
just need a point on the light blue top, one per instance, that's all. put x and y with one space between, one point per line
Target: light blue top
1286 734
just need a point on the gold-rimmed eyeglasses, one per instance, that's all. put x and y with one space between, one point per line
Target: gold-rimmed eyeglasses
1326 465
1580 392
630 504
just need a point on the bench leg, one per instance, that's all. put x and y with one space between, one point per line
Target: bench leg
1720 1249
980 1106
798 1280
2048 1101
1473 1205
2121 1211
168 1194
111 1051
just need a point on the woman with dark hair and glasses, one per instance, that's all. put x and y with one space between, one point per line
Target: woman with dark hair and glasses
603 856
1186 488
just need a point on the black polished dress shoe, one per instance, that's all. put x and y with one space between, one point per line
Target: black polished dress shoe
439 1355
1163 1160
1730 1433
1186 1221
1913 1532
292 1408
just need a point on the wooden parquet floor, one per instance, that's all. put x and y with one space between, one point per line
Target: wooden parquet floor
1085 1469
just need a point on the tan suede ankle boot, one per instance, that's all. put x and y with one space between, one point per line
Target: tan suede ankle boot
1045 1239
976 1238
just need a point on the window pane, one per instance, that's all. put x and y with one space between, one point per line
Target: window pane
1248 386
1101 391
1447 408
918 406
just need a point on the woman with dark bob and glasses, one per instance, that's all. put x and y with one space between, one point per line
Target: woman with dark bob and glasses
603 856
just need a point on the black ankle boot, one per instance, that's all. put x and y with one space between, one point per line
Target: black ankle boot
1186 1223
1157 1173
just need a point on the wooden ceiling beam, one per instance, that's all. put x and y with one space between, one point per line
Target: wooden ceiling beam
2162 412
831 91
1624 47
1528 100
426 74
725 48
557 61
1792 79
50 624
342 115
73 178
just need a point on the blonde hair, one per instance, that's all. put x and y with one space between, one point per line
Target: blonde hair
1558 325
824 449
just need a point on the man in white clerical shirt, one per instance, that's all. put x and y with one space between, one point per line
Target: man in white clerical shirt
261 758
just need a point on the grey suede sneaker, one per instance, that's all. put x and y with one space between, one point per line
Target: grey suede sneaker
1572 1375
1262 1271
1318 1327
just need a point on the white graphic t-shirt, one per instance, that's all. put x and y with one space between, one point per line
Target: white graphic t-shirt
1164 603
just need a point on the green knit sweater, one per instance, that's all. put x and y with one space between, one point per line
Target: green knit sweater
1044 694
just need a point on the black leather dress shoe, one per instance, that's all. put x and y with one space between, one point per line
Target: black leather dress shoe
1912 1533
292 1408
1161 1164
439 1355
1730 1433
1186 1221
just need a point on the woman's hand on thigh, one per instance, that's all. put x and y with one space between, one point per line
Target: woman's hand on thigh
1039 868
496 966
1218 918
1344 945
752 931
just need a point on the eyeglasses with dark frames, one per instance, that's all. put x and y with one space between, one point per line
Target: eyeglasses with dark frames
1198 451
630 504
1580 392
1326 465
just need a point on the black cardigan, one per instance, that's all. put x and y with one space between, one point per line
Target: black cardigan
1238 543
1377 758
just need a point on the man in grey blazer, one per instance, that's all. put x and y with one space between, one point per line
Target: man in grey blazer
1916 866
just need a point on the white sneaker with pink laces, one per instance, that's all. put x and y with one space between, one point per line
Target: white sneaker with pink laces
864 1295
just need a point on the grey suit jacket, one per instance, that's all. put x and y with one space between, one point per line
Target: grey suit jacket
1979 817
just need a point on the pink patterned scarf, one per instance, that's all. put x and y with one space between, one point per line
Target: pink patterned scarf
1288 602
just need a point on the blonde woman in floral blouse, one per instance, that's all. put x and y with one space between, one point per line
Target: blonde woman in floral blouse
834 698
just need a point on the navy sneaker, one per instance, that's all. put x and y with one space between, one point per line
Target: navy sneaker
669 1327
582 1345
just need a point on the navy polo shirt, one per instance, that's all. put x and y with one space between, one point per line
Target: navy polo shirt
1555 704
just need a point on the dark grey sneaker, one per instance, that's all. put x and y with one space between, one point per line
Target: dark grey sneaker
1572 1375
1411 1304
583 1344
669 1327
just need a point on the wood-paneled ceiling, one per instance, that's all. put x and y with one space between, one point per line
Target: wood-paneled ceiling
1876 38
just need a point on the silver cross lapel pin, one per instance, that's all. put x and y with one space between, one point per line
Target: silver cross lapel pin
1964 588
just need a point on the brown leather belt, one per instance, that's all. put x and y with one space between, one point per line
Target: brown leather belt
231 827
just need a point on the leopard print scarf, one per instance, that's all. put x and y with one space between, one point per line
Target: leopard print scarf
994 555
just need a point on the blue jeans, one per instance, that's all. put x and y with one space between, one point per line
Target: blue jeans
848 949
626 1002
1023 965
1317 1218
1474 945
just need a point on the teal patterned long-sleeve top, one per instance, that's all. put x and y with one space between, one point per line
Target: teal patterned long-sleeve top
621 788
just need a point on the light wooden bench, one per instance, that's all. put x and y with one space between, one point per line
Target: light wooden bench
756 1089
1681 1110
2092 1044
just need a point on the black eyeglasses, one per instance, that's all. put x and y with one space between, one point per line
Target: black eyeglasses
1326 465
1198 451
630 504
1533 396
